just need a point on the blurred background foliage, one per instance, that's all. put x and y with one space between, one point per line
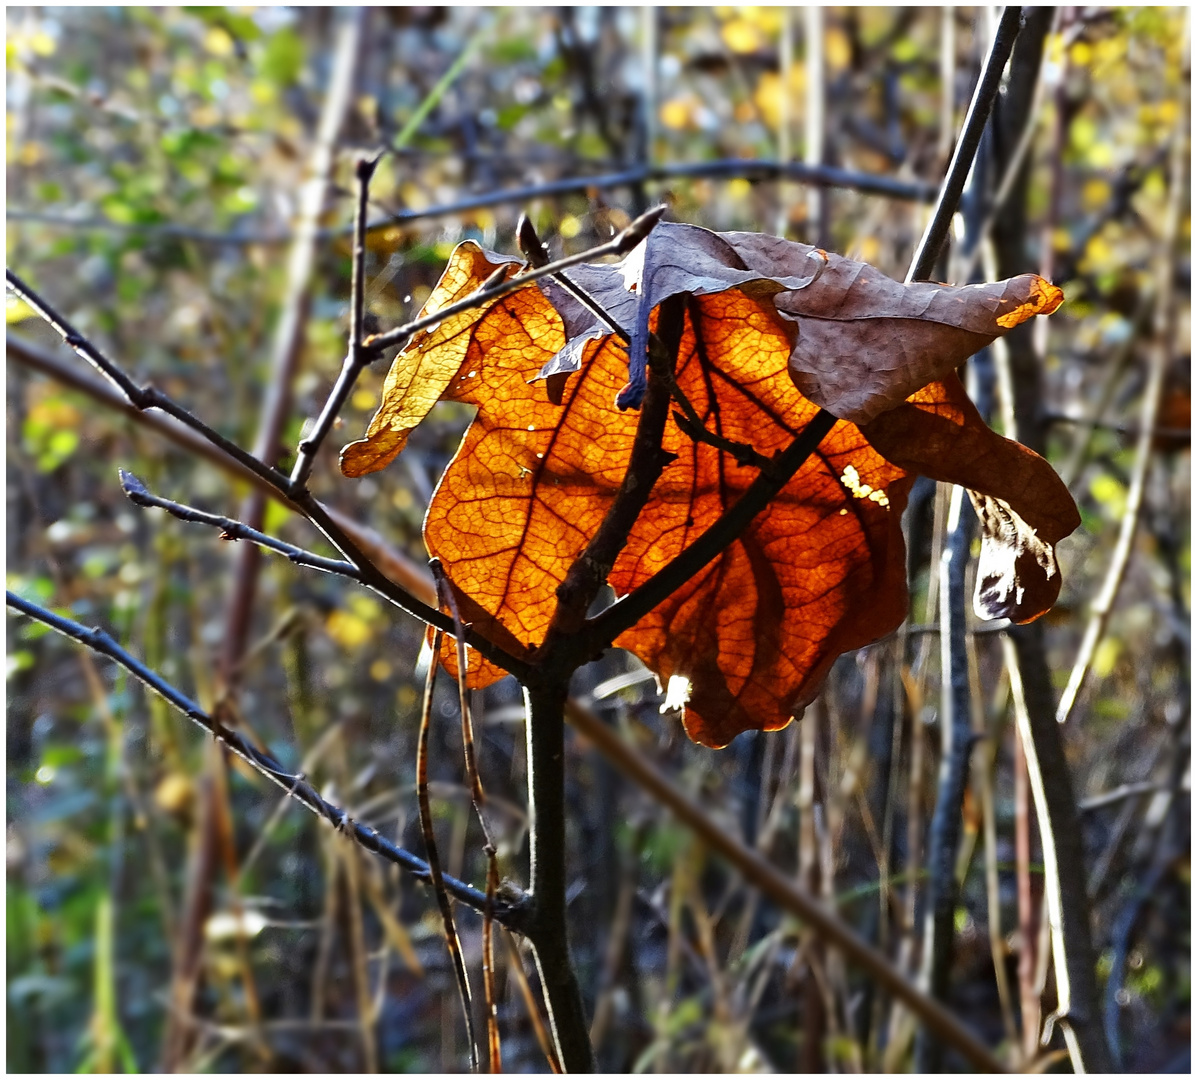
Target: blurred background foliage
154 158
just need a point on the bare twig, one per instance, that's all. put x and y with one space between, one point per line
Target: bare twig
452 942
494 1051
536 254
234 530
927 253
356 358
294 786
1161 351
781 889
495 287
534 1017
943 839
446 598
1059 833
140 397
724 168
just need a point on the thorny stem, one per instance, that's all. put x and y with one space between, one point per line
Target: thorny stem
294 786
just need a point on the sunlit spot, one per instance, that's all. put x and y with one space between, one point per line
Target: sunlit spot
677 693
851 480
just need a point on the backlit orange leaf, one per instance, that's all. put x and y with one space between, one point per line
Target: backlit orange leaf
771 330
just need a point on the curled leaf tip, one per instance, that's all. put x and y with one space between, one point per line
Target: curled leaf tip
1042 299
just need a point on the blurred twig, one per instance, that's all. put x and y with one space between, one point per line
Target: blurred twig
1160 355
1059 833
728 168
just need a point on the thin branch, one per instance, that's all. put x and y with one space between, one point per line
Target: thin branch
1179 434
536 254
927 253
537 1021
781 888
140 495
374 579
589 571
403 571
1073 955
625 613
494 288
725 168
452 941
510 915
356 358
140 397
1161 354
494 1050
975 248
688 420
445 597
299 498
689 423
1119 794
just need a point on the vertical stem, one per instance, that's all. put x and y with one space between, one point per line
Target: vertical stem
936 233
547 922
1078 1011
956 733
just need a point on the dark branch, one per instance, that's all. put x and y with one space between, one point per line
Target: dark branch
230 529
927 253
619 245
604 628
589 571
299 497
510 915
726 168
356 358
139 397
